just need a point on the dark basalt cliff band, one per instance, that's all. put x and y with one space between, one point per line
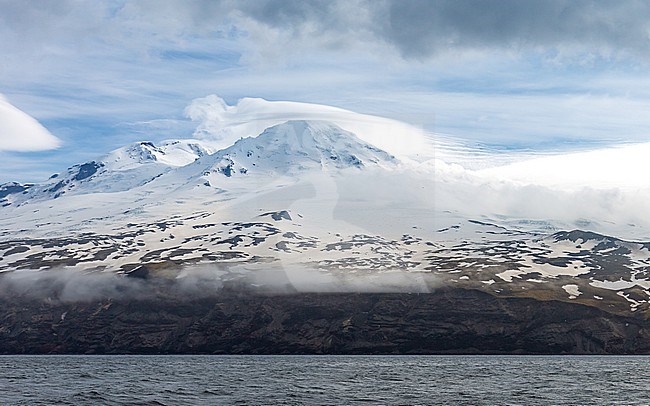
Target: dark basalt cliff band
237 322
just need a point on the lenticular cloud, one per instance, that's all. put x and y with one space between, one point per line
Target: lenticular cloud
21 132
250 116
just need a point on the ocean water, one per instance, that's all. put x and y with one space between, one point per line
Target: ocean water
190 380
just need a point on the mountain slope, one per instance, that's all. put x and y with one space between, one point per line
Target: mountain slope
313 203
122 169
295 148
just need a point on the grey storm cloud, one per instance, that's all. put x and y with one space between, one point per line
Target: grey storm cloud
414 28
421 28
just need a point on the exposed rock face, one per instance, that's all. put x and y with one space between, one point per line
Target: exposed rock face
447 321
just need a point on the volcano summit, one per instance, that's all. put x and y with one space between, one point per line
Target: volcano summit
306 208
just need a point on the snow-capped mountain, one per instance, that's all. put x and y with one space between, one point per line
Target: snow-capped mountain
298 146
155 182
174 153
121 169
304 195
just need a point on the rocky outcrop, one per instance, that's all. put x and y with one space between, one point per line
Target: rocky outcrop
235 322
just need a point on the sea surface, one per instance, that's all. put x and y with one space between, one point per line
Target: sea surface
190 380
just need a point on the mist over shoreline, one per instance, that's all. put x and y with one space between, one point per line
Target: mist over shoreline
203 281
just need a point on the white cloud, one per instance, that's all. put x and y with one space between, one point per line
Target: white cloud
622 167
494 72
21 132
250 116
533 200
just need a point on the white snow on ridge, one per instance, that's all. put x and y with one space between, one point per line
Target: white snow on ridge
120 170
173 153
302 144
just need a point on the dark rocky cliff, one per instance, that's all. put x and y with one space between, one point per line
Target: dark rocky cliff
446 321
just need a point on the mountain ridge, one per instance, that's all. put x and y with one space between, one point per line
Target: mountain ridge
311 202
121 169
277 150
